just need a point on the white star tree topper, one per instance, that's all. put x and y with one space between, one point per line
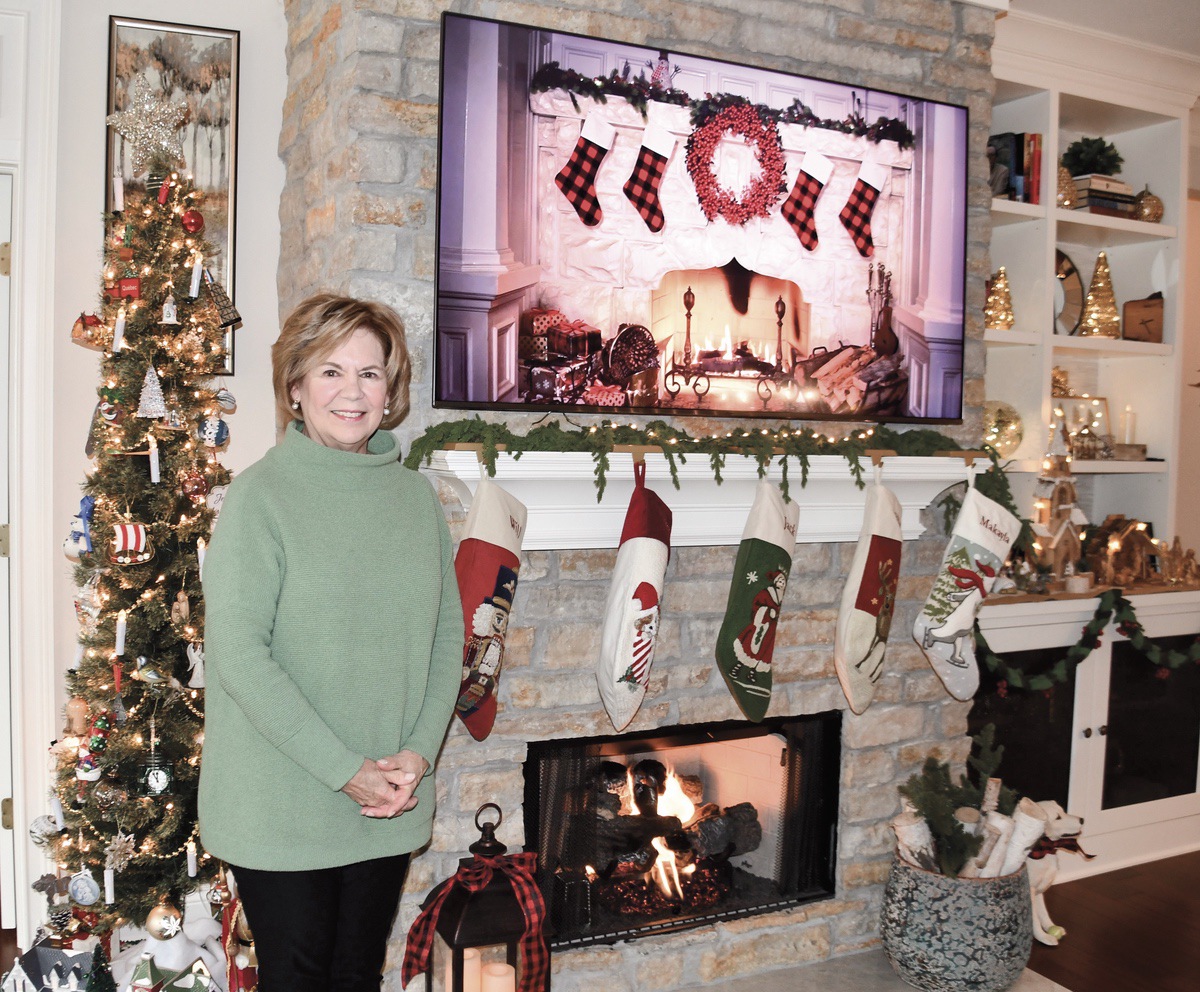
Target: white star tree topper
150 124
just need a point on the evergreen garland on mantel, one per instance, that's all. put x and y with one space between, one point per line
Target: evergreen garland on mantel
764 445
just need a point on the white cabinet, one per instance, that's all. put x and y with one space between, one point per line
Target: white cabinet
1065 85
1117 744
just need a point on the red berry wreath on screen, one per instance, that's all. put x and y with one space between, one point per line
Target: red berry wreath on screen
764 191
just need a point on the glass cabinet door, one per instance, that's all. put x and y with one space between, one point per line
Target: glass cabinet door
1152 733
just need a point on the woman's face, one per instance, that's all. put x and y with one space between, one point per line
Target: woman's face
342 398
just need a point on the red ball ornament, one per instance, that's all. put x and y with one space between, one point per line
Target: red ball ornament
192 221
194 486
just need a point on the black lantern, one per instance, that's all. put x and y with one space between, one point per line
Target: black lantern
491 909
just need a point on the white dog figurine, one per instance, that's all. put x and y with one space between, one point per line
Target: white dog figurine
1062 833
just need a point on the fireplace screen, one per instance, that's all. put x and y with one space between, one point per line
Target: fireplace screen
641 834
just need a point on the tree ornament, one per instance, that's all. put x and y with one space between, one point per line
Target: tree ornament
170 313
181 609
148 671
226 400
1003 428
86 331
151 403
120 850
998 311
149 125
195 659
213 431
131 545
79 538
194 485
1149 206
173 419
109 795
1101 318
84 888
79 713
227 314
164 921
155 775
192 220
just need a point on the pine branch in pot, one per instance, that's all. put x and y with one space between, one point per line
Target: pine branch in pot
956 912
1092 156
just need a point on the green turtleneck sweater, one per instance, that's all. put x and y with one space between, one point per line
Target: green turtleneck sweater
333 633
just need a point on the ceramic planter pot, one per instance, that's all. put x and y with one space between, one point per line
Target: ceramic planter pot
956 934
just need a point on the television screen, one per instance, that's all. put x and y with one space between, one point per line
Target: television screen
627 229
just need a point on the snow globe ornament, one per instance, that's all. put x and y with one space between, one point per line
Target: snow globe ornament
83 888
173 418
214 432
108 795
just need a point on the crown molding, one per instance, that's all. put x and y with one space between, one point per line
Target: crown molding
1095 64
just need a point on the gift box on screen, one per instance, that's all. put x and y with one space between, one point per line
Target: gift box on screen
535 325
574 340
561 379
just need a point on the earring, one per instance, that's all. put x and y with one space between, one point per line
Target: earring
387 411
295 404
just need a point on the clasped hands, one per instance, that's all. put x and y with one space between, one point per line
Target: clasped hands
384 787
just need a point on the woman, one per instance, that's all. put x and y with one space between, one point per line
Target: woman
334 646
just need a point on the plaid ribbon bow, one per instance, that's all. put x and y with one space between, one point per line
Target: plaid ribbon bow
473 877
1046 846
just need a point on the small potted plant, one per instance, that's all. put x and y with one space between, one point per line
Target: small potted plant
956 913
1092 157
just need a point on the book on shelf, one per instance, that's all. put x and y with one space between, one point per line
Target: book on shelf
1101 183
1021 154
1115 204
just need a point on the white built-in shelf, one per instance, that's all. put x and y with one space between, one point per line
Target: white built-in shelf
1011 338
1066 344
1077 227
1015 212
1096 467
559 490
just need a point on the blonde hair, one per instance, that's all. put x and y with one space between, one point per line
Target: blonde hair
317 327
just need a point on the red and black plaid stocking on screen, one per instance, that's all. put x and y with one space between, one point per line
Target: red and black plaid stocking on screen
642 185
577 180
798 208
856 214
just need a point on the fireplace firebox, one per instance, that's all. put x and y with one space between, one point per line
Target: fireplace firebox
642 834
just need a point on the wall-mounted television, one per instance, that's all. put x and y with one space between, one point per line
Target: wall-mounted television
623 229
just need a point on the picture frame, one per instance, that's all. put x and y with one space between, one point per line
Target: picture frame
1089 429
197 66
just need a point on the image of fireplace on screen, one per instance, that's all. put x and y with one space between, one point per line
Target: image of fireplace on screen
641 834
624 228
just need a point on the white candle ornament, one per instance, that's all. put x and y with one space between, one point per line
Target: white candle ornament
110 895
191 858
200 548
57 810
118 191
119 332
197 272
122 619
155 476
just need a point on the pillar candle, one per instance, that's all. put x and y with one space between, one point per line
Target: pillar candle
472 965
119 332
197 270
1130 425
155 476
122 619
498 977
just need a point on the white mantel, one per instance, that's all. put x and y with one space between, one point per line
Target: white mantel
560 491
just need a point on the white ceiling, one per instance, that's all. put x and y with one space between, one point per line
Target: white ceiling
1168 23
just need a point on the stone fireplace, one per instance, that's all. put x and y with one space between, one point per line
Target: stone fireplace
359 144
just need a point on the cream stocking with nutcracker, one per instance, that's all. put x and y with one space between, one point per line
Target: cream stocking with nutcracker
945 627
486 566
631 615
865 615
746 642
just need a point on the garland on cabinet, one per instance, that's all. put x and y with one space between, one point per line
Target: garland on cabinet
1112 604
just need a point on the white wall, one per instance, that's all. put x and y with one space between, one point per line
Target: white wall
1188 477
79 231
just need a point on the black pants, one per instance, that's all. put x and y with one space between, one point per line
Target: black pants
323 930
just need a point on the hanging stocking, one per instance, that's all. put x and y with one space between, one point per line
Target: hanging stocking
486 566
577 180
865 615
945 626
631 613
856 214
746 642
642 185
798 208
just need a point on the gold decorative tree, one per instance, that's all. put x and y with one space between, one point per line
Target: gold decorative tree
1101 319
998 311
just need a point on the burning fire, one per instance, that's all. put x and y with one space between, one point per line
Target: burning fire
672 802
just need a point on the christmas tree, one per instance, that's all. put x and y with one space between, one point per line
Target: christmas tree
1101 318
998 311
129 760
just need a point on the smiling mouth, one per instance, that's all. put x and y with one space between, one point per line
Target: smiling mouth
349 414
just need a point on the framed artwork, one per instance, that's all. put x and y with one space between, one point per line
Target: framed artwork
198 68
